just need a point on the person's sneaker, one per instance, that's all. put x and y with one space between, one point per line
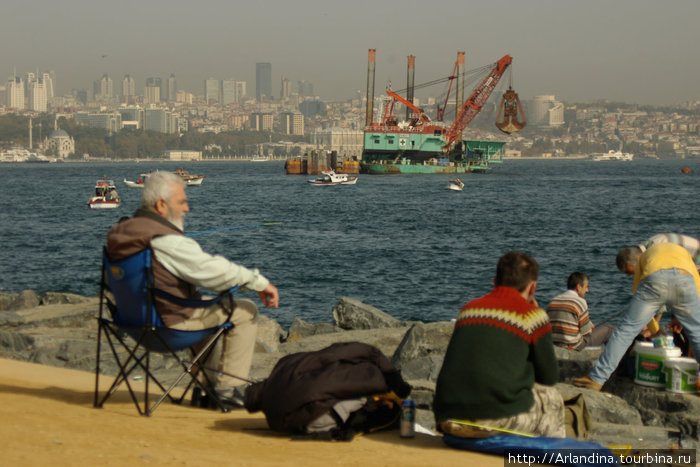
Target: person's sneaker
587 383
231 398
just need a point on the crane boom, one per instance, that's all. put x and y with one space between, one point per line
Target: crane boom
476 101
416 110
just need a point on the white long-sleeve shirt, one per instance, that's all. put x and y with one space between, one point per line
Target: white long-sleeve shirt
185 259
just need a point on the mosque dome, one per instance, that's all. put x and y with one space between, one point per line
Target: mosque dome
59 134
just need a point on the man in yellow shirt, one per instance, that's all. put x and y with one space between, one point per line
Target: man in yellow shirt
664 275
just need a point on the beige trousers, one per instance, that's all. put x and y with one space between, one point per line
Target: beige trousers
545 418
234 353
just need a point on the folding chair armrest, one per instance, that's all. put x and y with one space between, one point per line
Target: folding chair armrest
194 303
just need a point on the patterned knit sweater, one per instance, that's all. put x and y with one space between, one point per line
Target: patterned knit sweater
500 347
568 314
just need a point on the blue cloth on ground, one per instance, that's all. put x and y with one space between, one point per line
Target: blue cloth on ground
552 451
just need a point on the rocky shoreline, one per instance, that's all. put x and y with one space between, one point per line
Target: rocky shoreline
60 330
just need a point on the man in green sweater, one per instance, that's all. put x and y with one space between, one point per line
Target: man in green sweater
500 369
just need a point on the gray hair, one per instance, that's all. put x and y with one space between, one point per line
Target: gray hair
627 257
159 185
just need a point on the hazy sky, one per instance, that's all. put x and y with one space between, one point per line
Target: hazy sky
643 51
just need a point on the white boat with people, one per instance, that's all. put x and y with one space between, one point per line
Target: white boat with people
614 156
106 196
134 184
138 183
329 177
455 185
190 179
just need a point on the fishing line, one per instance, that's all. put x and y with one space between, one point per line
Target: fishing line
194 234
486 427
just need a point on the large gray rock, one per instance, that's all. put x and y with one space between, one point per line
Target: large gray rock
60 298
300 329
6 300
79 315
659 407
386 340
25 299
576 363
420 354
350 314
269 334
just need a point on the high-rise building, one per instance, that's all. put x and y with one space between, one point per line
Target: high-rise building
48 79
292 123
263 81
285 88
305 88
14 93
157 120
546 111
37 96
132 117
151 93
228 92
241 90
232 91
212 91
172 88
184 97
261 121
110 121
103 88
128 88
29 78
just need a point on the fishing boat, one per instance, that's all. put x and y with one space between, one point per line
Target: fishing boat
455 185
106 196
190 179
329 177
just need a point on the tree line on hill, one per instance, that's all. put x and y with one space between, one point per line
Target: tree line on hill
130 143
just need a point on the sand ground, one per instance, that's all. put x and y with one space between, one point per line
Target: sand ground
47 418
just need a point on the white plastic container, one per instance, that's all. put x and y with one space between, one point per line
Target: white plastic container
681 374
648 368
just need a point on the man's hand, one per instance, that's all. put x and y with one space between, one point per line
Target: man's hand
270 296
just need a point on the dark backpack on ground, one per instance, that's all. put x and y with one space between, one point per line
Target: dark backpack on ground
305 386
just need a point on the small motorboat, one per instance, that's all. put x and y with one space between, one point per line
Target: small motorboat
329 177
106 196
456 185
131 184
138 183
190 179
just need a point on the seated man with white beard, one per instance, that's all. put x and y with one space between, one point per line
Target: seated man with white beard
180 266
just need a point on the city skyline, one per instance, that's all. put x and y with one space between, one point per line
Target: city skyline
628 51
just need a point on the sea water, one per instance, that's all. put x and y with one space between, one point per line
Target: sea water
404 244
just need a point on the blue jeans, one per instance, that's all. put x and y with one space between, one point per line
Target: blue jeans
671 287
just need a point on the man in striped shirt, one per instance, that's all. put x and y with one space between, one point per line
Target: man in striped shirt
568 313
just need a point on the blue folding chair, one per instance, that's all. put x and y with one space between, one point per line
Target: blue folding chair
127 310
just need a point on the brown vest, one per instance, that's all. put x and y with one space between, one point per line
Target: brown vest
135 234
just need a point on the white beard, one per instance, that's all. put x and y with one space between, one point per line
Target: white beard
179 223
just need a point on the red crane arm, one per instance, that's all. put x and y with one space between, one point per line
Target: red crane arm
476 101
441 110
417 110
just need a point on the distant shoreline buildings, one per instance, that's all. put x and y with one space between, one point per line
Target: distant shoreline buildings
226 105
